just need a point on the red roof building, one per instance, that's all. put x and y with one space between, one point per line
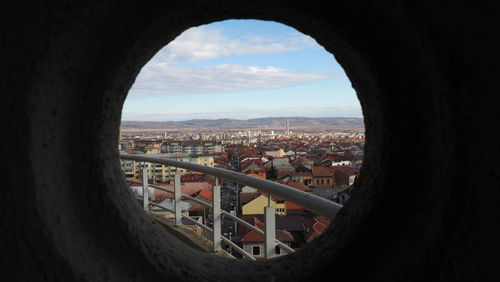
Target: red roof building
253 243
322 176
316 227
298 186
187 188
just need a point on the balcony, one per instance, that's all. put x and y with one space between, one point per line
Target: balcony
272 246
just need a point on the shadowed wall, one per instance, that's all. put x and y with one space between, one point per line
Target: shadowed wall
425 208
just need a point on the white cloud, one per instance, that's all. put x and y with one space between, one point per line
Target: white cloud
164 79
202 43
165 76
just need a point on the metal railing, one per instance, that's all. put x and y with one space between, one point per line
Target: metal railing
309 201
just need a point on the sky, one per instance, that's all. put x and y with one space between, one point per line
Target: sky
241 69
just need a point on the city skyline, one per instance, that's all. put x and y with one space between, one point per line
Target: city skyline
241 69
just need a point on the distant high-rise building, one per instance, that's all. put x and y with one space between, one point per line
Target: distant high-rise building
287 127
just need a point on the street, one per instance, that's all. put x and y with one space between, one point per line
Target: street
229 203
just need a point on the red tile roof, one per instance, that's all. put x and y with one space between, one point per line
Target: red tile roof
248 197
206 194
246 163
338 167
348 170
192 177
187 188
292 206
252 236
318 226
298 186
301 173
282 173
258 223
320 171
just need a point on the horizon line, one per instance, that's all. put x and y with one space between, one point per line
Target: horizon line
239 118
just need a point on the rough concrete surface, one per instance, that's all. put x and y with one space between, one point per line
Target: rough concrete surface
188 236
426 207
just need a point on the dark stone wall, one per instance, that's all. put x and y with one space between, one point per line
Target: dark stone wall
425 208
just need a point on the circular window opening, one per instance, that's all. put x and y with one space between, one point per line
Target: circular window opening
254 97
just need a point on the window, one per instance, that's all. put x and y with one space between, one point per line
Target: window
278 250
256 250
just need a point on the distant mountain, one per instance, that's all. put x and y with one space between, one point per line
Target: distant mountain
226 123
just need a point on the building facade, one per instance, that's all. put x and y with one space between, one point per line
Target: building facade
164 173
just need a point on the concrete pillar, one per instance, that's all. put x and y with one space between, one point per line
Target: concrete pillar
270 232
217 219
177 197
145 192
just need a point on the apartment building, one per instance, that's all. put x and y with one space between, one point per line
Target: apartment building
192 147
164 173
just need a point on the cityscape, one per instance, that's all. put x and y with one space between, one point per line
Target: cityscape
322 161
253 97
